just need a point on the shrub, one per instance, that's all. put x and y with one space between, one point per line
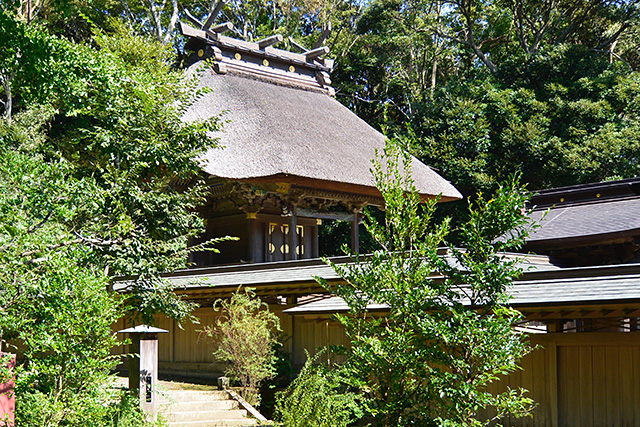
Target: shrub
318 397
245 336
448 332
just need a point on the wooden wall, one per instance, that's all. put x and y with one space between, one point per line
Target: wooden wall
312 334
581 380
577 379
187 350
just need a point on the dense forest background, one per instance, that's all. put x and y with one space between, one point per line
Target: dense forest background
477 89
480 88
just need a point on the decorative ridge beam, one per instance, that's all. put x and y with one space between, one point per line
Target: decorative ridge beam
269 41
215 39
309 55
221 28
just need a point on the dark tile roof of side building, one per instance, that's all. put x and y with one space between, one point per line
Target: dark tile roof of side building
586 214
540 287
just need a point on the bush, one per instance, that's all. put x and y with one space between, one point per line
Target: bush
127 413
245 336
318 397
448 332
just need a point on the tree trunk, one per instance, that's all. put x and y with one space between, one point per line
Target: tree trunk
8 104
434 71
172 23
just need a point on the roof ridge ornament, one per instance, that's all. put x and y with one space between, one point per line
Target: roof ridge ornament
309 69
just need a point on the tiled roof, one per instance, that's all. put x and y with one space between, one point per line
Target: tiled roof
605 219
586 192
284 272
576 289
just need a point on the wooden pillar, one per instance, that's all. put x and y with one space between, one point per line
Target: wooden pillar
143 370
552 380
355 233
554 326
293 235
315 241
255 250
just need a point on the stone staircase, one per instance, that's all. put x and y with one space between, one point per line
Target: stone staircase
202 408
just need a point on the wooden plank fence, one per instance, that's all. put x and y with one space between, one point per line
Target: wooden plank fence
580 380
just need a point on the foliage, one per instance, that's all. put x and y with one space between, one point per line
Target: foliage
318 397
448 333
93 165
246 336
562 134
127 413
489 89
282 377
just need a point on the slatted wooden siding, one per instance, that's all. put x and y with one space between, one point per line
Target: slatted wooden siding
312 334
188 349
581 380
577 379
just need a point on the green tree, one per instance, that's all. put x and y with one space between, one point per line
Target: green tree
489 89
94 167
246 335
448 332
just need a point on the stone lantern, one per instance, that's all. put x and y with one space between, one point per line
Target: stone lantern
143 366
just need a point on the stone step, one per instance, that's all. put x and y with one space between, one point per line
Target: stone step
191 395
209 405
235 414
202 408
248 422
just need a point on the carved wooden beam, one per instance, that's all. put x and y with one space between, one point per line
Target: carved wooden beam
314 53
269 41
213 15
312 213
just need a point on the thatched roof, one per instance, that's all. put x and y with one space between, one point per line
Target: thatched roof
274 132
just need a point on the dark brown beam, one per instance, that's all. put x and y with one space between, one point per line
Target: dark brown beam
313 213
297 45
355 233
193 19
293 235
326 32
213 15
